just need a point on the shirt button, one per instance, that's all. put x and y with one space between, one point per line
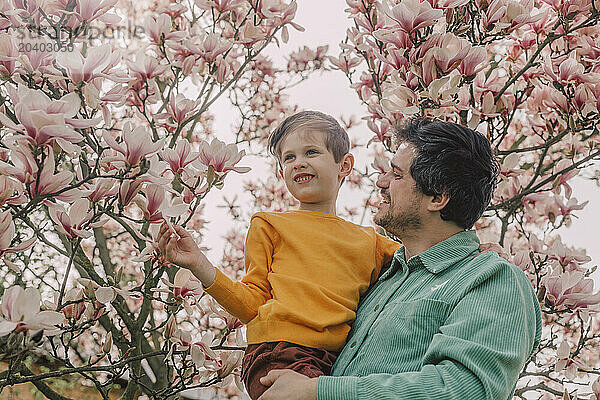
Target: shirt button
376 307
352 345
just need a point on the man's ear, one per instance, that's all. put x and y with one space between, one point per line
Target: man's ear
346 165
438 202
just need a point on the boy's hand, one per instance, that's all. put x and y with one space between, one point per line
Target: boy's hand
179 249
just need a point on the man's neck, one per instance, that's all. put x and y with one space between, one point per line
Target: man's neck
419 241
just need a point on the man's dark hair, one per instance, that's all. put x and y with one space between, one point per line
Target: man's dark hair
455 160
336 138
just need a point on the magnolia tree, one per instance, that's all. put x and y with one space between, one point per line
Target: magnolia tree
106 133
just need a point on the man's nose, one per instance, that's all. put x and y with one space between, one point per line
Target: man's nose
382 181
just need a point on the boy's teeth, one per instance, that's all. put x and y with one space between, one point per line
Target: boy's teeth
304 178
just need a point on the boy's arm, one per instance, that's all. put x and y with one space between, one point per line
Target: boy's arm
242 298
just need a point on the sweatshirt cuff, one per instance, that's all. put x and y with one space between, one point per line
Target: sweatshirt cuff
222 282
337 388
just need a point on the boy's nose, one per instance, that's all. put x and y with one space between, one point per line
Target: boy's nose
299 164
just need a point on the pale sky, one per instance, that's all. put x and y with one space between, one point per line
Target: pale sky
326 23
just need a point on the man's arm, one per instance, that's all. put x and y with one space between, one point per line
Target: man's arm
477 353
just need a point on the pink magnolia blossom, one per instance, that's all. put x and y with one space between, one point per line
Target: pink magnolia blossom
229 368
567 209
100 189
21 312
223 70
89 10
569 70
71 223
146 67
180 157
11 191
562 180
585 99
305 57
596 388
522 260
24 167
136 145
564 360
215 310
398 99
474 61
202 354
8 54
37 61
449 52
103 294
129 189
566 257
509 167
344 62
414 14
251 34
219 5
570 289
44 121
181 108
159 29
77 307
210 46
185 287
220 156
156 207
396 36
7 234
84 69
381 130
49 183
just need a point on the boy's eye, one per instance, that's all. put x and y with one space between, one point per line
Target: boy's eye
288 157
312 151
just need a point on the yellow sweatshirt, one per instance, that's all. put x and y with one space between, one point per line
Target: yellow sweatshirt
305 273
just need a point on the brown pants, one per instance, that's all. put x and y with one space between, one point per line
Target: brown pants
261 358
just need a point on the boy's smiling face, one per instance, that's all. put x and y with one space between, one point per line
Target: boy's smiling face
309 169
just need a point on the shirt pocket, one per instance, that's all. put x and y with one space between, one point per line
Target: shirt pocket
405 329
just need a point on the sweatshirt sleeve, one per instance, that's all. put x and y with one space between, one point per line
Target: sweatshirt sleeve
243 298
384 253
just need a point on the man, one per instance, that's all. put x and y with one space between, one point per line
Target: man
444 321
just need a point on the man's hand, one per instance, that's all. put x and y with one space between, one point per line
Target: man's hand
288 385
179 249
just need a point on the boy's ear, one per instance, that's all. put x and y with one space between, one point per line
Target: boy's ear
438 202
346 165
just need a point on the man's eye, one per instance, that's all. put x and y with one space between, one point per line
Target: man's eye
288 157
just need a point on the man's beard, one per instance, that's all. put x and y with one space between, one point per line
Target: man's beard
399 224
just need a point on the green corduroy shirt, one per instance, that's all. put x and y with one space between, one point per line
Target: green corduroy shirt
451 323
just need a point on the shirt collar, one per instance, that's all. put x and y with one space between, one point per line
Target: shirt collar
440 256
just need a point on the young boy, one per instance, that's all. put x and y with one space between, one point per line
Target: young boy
305 269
